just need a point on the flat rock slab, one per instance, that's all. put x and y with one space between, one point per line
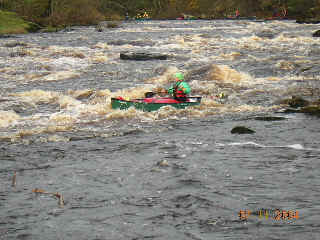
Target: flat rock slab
270 118
140 56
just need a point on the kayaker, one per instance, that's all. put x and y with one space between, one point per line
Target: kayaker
180 89
237 13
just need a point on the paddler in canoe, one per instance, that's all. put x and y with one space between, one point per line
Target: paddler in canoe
180 98
180 89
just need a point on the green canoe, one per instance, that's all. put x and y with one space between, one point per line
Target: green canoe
153 104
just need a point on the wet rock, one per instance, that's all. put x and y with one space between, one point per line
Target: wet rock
299 105
67 29
5 100
80 138
132 132
202 72
112 24
18 109
307 68
24 236
295 102
290 110
163 163
269 118
317 102
5 36
15 44
120 42
22 52
99 29
140 56
308 21
107 25
316 34
242 130
189 17
300 21
177 57
139 43
311 110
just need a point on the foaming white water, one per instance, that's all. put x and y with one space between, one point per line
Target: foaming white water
240 144
68 63
8 118
60 75
246 65
296 146
226 74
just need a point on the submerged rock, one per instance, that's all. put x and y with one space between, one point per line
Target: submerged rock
141 56
269 118
242 130
290 110
139 43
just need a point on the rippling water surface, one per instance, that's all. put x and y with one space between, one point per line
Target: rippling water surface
169 174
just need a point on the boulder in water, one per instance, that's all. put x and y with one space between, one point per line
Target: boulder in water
311 110
295 102
299 105
242 130
141 56
316 34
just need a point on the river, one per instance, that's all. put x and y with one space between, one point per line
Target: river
169 174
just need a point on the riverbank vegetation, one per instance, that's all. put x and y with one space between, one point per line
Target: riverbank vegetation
10 23
57 13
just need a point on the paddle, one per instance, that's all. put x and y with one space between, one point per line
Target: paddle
152 94
162 91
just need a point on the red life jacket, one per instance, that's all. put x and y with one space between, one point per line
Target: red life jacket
180 94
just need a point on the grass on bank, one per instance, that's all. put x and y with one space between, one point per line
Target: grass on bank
10 23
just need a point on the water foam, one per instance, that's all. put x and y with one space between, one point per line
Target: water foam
8 118
296 146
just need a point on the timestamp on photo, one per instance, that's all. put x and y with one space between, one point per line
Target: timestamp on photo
269 214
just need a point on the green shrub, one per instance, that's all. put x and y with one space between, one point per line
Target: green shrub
10 23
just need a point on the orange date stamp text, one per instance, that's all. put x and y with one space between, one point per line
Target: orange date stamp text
270 214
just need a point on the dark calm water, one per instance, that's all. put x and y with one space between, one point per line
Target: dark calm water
170 174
